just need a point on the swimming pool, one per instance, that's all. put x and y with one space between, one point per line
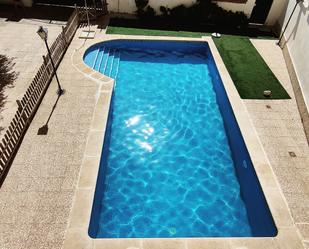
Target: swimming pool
174 163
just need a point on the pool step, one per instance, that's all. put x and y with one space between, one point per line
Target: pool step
100 60
107 61
115 68
96 57
112 63
104 61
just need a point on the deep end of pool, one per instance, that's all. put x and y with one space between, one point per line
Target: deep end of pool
153 180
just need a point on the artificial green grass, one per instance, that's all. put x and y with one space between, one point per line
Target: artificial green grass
247 68
152 32
250 73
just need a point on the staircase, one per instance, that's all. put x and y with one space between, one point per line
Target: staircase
107 61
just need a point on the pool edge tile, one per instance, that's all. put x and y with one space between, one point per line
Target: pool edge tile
118 243
89 172
95 143
205 243
252 243
81 210
288 238
76 238
161 243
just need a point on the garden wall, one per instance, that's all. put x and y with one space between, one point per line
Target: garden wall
27 3
278 6
243 7
276 13
296 36
128 6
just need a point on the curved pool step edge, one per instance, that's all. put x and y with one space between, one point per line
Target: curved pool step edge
78 63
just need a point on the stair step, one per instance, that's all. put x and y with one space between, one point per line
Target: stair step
106 61
95 58
109 63
101 58
98 59
116 65
112 63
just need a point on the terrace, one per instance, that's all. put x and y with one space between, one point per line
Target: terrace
47 192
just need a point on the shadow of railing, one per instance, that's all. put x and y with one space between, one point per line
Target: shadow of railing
44 129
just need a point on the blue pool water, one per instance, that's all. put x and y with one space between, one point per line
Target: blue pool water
169 165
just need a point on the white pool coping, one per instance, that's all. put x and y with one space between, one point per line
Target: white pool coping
77 231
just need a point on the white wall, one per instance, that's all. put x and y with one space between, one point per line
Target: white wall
128 6
277 9
243 7
297 35
27 3
274 14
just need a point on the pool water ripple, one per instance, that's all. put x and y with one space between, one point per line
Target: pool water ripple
169 169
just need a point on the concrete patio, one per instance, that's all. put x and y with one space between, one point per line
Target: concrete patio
20 42
38 193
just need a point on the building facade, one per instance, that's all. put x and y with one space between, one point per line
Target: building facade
261 11
295 49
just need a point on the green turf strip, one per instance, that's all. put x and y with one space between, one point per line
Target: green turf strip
250 73
152 32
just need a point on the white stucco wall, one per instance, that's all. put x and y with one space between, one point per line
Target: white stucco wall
277 8
27 3
275 14
296 36
128 6
243 7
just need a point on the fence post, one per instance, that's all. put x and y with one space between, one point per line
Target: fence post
46 64
44 60
63 36
76 13
20 107
21 110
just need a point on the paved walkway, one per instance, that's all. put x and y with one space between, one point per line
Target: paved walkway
281 132
20 41
37 195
